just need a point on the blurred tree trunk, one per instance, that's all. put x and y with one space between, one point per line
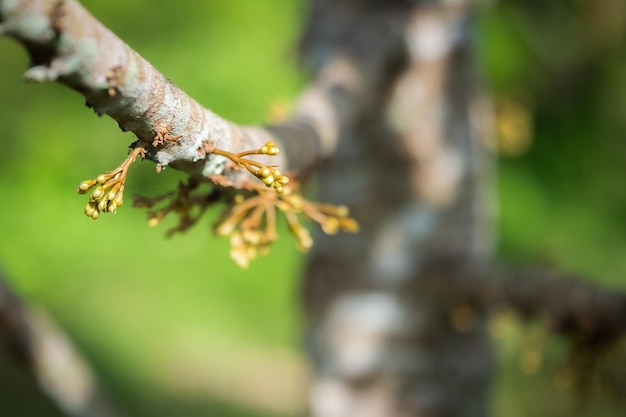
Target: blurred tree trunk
412 167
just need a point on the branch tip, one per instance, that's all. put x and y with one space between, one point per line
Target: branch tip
40 73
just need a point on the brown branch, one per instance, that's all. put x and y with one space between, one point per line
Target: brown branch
42 350
572 305
68 45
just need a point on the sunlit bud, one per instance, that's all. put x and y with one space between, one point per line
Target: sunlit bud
284 180
272 149
349 225
295 201
95 214
277 174
153 221
89 209
84 186
239 255
304 239
279 188
111 195
264 150
112 207
268 180
236 240
119 199
97 193
225 228
102 205
264 172
101 178
330 225
342 211
252 237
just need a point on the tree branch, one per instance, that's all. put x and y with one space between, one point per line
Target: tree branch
572 305
42 349
68 45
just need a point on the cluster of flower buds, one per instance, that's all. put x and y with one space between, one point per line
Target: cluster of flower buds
251 221
332 219
106 197
251 224
108 194
269 149
272 177
246 246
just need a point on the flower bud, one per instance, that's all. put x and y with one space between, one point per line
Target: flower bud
268 180
330 225
84 186
264 172
102 205
349 225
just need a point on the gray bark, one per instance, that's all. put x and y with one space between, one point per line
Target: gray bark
412 168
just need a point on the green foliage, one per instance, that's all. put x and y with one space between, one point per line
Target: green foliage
562 202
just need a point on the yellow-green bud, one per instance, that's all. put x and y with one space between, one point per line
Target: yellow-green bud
253 237
264 172
84 186
268 180
111 195
304 238
97 193
236 240
101 178
263 150
112 207
89 209
330 225
102 205
342 211
283 180
279 189
225 228
349 225
95 214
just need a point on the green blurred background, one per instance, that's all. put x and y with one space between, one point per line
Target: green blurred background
172 326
